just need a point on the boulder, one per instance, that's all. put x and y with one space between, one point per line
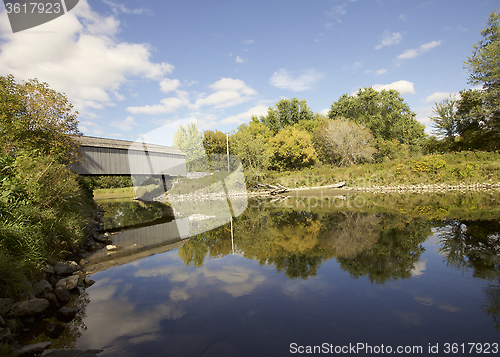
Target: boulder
43 287
66 268
62 294
29 308
68 283
54 330
66 314
49 269
5 305
52 299
88 282
31 350
103 239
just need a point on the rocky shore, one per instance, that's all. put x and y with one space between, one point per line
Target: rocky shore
51 299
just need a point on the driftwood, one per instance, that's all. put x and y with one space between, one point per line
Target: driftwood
277 189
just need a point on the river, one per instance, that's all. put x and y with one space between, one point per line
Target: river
365 274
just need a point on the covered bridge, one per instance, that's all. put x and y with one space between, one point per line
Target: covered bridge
102 156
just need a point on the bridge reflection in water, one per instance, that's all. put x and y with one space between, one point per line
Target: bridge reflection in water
137 243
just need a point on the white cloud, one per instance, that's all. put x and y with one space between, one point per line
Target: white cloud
245 117
122 8
169 85
124 124
353 67
337 12
304 80
325 111
248 42
412 53
436 97
403 17
404 87
90 128
378 72
389 39
167 105
228 92
77 54
240 60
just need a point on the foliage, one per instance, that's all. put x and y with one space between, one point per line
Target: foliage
480 109
445 118
286 113
190 142
43 212
292 149
457 170
251 144
385 113
345 143
99 182
35 117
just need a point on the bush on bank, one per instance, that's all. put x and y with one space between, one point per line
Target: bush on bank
44 209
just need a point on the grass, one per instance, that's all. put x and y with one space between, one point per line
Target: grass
451 168
125 192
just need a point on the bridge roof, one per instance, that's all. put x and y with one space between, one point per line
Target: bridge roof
124 145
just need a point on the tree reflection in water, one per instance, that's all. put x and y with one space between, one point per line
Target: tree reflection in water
475 245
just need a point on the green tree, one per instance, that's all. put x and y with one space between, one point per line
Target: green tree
286 113
445 118
292 149
484 69
33 116
345 143
189 141
251 144
384 112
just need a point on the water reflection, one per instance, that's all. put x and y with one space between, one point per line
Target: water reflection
401 270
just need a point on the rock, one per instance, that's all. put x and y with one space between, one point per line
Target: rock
2 322
68 283
66 268
28 308
52 299
49 269
88 282
6 335
103 239
5 305
66 314
43 287
54 330
111 247
31 350
62 294
92 245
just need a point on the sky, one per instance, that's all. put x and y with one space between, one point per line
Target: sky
132 67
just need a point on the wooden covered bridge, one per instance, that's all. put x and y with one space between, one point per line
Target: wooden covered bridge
102 156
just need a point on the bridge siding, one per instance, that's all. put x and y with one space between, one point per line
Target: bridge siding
114 157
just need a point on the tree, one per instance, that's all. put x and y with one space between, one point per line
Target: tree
189 141
35 117
251 144
292 149
445 118
385 113
484 69
287 112
345 143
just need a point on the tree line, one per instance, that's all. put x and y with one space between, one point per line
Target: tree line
368 126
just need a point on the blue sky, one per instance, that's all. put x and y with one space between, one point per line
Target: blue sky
130 67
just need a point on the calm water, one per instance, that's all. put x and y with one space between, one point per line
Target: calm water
410 271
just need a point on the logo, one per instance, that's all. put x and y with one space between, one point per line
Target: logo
24 14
